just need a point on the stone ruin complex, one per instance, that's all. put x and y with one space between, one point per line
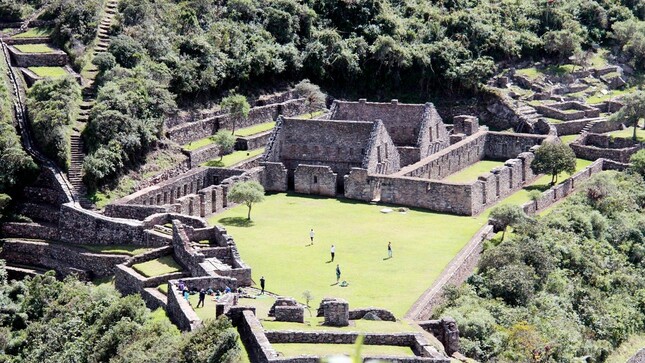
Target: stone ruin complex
388 152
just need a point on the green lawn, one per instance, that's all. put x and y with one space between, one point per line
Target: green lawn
262 305
312 115
315 323
292 350
130 250
247 131
567 139
541 184
34 48
627 349
234 158
49 71
276 243
471 173
531 73
628 133
255 129
160 266
34 32
599 97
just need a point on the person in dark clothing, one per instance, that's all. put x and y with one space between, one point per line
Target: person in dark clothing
202 297
262 284
389 249
337 273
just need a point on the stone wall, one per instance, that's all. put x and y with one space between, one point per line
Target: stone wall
504 145
192 131
201 155
56 58
274 178
595 146
382 155
570 127
449 160
568 111
180 312
295 314
562 190
382 314
60 258
457 271
639 357
29 230
340 145
254 141
335 312
313 179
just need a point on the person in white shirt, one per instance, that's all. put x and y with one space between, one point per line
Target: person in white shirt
333 252
311 235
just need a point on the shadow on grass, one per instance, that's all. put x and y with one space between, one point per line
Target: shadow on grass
215 163
236 222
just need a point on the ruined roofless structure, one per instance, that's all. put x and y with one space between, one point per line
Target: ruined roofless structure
378 137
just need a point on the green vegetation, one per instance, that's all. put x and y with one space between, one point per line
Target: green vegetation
237 107
554 158
256 129
130 250
610 95
324 350
315 323
248 193
157 267
45 320
567 139
541 184
632 112
637 162
234 158
34 33
629 134
566 285
471 173
16 165
49 71
34 48
627 349
360 232
53 105
247 131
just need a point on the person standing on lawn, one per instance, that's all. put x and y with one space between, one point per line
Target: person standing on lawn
333 252
337 273
202 297
262 285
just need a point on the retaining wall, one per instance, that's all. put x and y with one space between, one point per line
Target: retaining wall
55 58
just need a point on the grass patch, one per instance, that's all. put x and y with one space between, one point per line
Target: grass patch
104 281
541 184
312 115
49 71
163 288
627 349
34 48
292 350
567 139
599 59
275 244
247 131
315 323
262 304
255 129
34 33
471 173
101 198
599 97
130 250
233 158
159 314
628 133
160 266
531 73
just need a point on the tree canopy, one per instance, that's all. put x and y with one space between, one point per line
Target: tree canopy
248 192
554 158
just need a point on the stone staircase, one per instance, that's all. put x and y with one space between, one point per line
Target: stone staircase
89 94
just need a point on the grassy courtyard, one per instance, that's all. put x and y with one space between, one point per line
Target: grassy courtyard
471 173
246 131
234 158
276 244
157 267
293 350
34 33
34 48
49 71
628 133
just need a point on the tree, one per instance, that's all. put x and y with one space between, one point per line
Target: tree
225 141
554 158
632 111
4 202
506 215
314 98
248 192
638 163
237 106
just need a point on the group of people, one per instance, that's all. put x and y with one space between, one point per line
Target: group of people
181 286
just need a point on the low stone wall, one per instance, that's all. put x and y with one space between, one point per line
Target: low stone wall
592 152
201 155
382 314
560 191
315 179
570 127
254 141
457 271
639 357
56 58
29 230
30 40
255 340
180 312
192 131
133 211
247 164
60 258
